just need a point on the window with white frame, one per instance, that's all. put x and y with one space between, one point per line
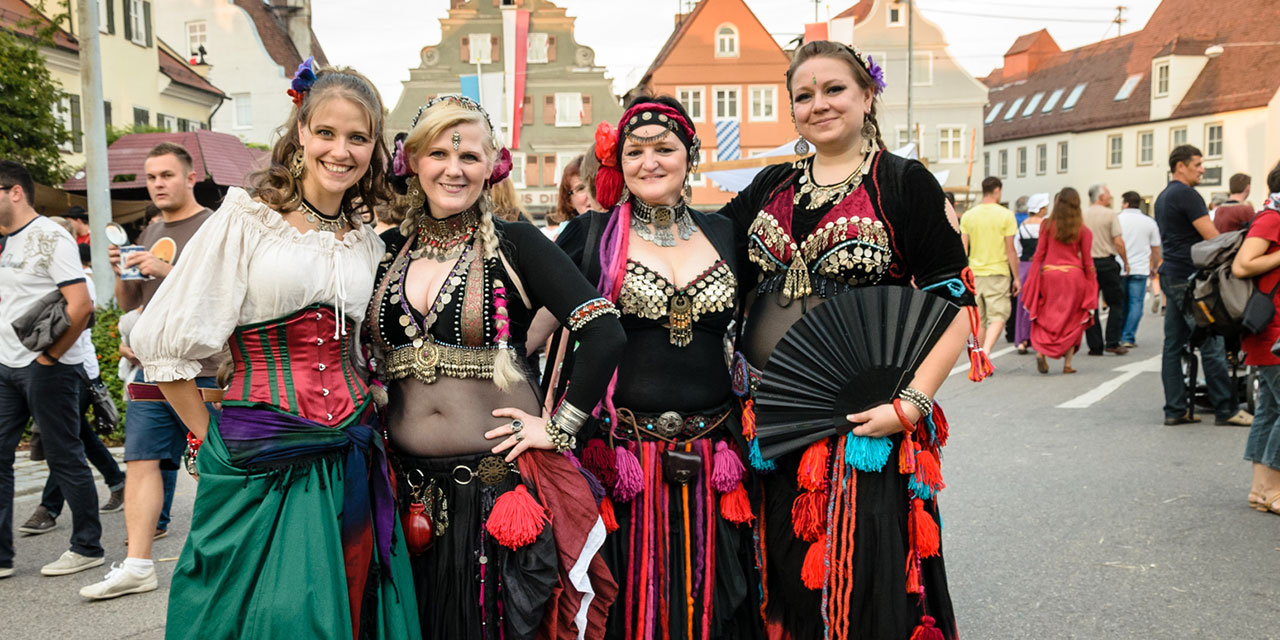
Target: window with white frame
1146 147
243 113
517 170
764 101
1115 151
1052 101
481 48
1004 163
1013 109
692 100
986 163
904 138
197 35
696 179
1127 88
1042 159
568 110
167 122
1031 106
1064 155
922 75
1177 137
1162 80
949 143
727 103
995 111
1074 97
1022 161
1213 140
536 48
727 41
104 16
139 17
563 158
896 17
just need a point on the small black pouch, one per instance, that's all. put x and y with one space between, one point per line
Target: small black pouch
680 467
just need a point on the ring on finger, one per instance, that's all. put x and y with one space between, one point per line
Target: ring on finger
519 437
517 425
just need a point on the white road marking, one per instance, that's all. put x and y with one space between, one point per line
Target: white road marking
993 356
1128 372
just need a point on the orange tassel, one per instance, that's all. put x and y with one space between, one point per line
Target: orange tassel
913 574
749 419
809 515
907 456
814 571
812 473
926 630
924 530
979 364
516 519
928 471
736 507
607 515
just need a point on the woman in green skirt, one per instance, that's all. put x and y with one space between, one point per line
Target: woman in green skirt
294 532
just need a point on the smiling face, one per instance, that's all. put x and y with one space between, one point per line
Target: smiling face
654 171
452 179
337 145
829 105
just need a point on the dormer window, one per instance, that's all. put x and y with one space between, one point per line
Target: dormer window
896 17
727 42
1162 80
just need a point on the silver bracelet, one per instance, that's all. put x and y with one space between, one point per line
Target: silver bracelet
570 418
918 399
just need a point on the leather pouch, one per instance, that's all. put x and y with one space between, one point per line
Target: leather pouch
680 467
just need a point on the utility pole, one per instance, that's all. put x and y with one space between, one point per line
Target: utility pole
816 3
911 65
1120 20
97 186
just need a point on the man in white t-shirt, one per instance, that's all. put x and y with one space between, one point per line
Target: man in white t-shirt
41 258
1142 242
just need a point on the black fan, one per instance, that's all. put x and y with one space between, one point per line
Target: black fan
853 352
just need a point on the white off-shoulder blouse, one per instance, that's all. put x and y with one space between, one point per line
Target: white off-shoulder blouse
246 265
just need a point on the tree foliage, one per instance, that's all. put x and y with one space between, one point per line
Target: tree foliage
115 133
30 132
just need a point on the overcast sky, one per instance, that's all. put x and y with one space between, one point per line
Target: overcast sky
382 38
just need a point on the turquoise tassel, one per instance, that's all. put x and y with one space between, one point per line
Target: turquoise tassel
757 461
867 454
919 489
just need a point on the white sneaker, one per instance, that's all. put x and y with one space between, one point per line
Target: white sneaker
5 572
120 582
70 562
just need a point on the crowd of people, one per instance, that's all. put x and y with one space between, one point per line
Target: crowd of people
346 355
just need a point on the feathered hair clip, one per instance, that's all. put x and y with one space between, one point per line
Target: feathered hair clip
303 78
502 167
399 162
874 70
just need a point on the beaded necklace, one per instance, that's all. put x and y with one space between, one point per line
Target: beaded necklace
444 240
323 221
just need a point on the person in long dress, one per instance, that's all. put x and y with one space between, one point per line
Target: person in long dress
1028 238
294 532
1062 292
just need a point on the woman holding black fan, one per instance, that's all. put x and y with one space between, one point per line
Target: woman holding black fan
839 356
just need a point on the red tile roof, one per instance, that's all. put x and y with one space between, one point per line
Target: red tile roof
275 36
219 157
1024 42
179 72
14 11
858 12
1228 82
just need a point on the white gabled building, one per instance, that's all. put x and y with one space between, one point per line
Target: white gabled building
1110 112
252 49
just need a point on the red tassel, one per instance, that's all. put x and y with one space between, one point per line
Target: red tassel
979 364
940 422
924 530
736 507
607 515
812 473
907 456
814 571
928 471
913 574
600 461
926 630
809 515
516 519
608 186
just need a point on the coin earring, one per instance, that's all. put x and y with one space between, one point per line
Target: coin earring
802 147
296 164
414 197
869 134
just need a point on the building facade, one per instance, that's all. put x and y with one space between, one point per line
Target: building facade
726 69
947 101
1110 112
252 49
540 86
144 81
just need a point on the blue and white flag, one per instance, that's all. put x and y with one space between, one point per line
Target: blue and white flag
727 140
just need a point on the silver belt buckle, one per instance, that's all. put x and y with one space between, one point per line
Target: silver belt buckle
669 424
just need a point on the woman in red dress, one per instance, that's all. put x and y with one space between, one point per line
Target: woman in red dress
1061 289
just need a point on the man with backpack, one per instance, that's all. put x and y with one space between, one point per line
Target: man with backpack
1184 220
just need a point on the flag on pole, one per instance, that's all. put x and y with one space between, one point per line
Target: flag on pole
727 139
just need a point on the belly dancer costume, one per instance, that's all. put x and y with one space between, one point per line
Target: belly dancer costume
294 531
848 550
680 537
500 550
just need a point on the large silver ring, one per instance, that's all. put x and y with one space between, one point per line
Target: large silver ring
517 425
519 437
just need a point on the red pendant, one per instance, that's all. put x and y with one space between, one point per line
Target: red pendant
419 534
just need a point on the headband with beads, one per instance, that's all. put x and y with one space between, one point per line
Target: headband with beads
501 167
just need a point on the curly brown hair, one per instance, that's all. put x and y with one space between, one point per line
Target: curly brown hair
277 187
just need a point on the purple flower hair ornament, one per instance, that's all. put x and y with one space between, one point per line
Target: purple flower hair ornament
877 75
303 78
400 160
501 168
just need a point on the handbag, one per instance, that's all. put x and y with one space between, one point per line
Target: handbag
1259 310
41 325
106 417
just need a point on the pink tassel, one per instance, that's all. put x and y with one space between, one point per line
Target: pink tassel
926 630
728 470
516 518
630 475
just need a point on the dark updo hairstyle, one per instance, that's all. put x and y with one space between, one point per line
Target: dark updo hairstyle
277 187
837 51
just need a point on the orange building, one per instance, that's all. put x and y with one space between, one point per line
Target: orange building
723 65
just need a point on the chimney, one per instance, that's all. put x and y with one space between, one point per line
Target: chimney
296 16
1027 54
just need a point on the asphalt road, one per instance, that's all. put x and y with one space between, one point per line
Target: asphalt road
1093 522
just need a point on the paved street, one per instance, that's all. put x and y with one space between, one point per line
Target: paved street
1094 522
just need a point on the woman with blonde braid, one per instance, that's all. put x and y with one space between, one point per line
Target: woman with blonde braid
503 528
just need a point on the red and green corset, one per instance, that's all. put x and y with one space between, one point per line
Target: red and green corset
294 365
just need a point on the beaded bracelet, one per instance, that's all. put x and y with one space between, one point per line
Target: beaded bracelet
562 440
918 399
908 426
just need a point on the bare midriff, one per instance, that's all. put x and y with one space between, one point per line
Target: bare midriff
450 416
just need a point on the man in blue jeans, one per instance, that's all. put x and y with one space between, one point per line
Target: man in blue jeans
1184 220
1142 242
40 261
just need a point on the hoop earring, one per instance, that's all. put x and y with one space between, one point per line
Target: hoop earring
869 134
414 197
802 147
296 165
